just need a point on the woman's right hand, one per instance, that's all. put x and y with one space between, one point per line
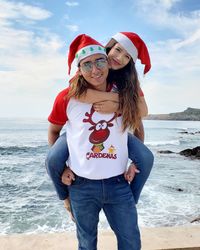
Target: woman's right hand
67 176
106 107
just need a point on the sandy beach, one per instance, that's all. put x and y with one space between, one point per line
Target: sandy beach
182 237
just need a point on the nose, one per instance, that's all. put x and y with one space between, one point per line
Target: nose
94 68
120 57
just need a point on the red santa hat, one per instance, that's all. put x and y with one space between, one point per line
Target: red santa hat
83 46
134 45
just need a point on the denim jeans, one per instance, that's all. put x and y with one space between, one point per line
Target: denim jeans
114 196
55 164
138 153
143 159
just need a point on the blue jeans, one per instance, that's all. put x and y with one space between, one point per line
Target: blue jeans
55 164
138 153
114 196
143 158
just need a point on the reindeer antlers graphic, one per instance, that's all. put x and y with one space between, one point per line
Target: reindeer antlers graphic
89 119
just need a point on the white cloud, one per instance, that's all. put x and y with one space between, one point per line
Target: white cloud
72 4
13 40
160 14
170 56
32 68
195 37
172 84
73 28
163 98
12 10
49 43
29 87
18 42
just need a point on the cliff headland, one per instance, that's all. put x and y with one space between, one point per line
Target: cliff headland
190 114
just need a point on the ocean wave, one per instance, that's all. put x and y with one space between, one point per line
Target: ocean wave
158 143
12 150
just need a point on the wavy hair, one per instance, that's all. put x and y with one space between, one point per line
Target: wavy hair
126 80
78 87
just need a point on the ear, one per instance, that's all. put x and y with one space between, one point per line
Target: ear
79 72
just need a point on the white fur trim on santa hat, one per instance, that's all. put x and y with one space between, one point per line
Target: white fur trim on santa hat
127 44
88 51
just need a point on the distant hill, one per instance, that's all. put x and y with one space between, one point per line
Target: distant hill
190 114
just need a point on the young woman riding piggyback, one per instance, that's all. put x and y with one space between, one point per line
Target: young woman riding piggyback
125 97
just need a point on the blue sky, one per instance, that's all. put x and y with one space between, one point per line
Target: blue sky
35 36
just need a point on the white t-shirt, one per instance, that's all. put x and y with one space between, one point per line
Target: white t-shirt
97 145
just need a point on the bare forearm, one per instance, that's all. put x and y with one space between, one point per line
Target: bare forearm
142 106
93 96
139 133
53 133
52 137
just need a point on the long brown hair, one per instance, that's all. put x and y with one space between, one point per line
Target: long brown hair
127 83
78 87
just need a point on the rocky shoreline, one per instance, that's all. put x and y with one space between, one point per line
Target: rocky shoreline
193 153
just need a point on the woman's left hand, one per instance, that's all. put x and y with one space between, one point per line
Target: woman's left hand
106 107
130 173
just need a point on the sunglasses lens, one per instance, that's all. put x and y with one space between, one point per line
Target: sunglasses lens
87 66
99 64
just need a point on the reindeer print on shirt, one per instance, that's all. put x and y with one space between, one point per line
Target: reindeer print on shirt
100 133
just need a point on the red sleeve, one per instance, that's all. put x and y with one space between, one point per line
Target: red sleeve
141 92
58 114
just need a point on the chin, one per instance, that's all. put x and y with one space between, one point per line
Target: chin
96 84
114 67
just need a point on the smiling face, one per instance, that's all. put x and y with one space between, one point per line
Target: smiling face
118 57
94 69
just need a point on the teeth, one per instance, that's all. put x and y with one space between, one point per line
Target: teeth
97 76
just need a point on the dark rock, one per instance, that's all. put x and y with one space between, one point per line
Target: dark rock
189 133
191 152
186 152
176 188
196 219
166 152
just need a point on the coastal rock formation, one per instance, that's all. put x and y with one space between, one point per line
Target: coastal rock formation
190 114
194 153
191 152
189 133
195 220
166 152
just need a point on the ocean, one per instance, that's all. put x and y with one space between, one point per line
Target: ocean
28 202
